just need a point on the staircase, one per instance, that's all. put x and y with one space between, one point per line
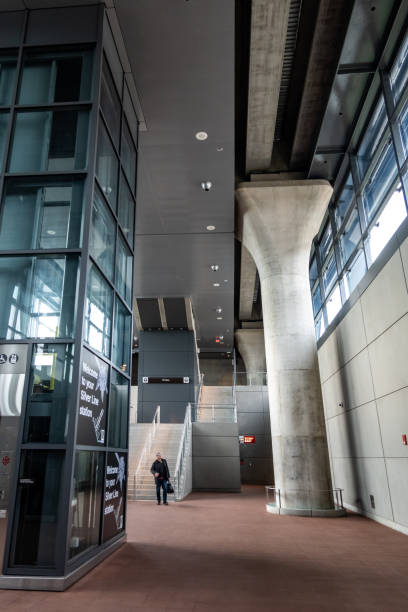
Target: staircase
217 405
166 440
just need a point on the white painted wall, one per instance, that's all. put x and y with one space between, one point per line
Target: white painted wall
364 374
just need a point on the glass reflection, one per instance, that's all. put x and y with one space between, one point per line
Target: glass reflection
37 296
8 65
103 230
126 211
118 410
128 156
86 501
41 215
98 320
381 178
110 103
124 261
121 337
49 394
350 237
107 166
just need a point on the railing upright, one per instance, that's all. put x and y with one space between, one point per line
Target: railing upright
182 451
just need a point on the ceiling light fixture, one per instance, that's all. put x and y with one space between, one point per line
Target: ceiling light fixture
201 136
215 267
219 149
206 185
51 232
219 318
211 228
218 310
216 284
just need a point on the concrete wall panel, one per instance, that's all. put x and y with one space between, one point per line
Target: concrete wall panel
397 470
351 334
389 358
393 416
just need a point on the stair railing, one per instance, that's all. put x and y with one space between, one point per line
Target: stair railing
181 456
148 443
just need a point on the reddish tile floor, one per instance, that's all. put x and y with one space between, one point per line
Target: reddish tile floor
219 552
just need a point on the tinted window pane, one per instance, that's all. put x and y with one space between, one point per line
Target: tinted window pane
86 501
403 126
110 103
319 326
344 200
399 72
41 215
7 79
355 272
350 237
49 393
61 77
121 337
36 514
107 166
37 296
313 272
4 119
325 242
98 321
316 300
329 274
49 140
118 410
124 270
126 211
128 156
102 244
372 137
382 176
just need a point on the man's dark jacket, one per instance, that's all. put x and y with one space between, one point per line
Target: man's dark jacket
162 468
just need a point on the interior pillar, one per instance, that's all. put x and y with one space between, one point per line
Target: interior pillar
251 345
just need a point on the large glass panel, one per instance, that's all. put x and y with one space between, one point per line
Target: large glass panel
333 304
124 270
38 296
126 210
121 337
49 140
403 127
316 300
98 320
36 514
372 137
86 501
118 410
386 225
344 201
329 273
49 394
381 178
350 236
7 78
4 119
107 166
354 272
399 71
41 215
103 231
56 77
115 495
325 242
110 103
319 326
128 155
313 274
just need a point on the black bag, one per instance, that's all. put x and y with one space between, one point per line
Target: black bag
170 488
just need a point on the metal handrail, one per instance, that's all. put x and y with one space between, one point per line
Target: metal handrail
336 492
182 452
249 376
197 410
148 444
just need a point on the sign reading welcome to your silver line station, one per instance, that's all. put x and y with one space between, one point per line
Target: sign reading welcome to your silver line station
93 400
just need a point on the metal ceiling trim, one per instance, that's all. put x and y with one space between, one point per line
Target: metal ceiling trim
189 314
136 315
162 313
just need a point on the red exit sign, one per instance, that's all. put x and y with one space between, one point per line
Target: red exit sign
249 439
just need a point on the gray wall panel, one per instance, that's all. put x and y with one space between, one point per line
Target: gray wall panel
62 26
11 25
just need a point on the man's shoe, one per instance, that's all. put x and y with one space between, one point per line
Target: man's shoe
158 503
165 504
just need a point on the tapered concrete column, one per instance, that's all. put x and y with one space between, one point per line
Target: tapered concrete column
251 345
278 221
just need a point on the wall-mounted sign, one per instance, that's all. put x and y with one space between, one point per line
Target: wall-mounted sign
247 439
115 491
157 380
93 400
13 364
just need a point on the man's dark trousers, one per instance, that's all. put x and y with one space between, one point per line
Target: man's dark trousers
161 483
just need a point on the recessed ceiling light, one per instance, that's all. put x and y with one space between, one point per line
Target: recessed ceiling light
51 232
225 280
219 318
216 284
215 267
201 135
219 149
211 228
218 310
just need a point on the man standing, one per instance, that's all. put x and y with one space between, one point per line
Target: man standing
160 471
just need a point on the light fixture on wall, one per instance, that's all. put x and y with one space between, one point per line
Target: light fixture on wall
206 185
214 267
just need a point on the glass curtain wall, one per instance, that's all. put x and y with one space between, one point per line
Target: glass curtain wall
66 271
371 203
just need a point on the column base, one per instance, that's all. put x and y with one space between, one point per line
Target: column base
58 583
334 513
